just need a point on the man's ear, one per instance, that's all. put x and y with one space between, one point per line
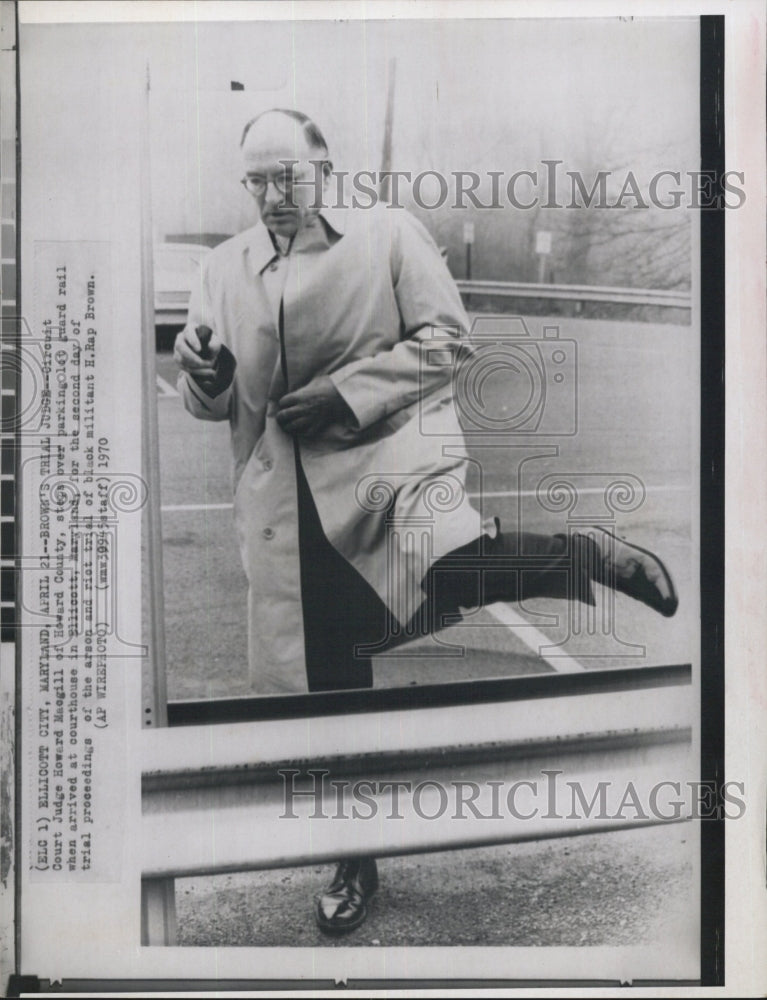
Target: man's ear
327 173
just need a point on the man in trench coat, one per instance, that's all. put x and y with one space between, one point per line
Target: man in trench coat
329 338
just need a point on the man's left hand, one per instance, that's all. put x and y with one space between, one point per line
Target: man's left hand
308 411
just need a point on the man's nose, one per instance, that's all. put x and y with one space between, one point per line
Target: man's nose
273 196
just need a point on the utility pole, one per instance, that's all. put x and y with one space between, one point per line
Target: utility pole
384 185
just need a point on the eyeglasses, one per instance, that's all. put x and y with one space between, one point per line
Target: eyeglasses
257 185
283 180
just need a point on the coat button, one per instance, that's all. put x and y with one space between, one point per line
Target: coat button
268 533
267 464
274 265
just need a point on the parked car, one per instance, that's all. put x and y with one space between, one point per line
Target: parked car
176 269
177 264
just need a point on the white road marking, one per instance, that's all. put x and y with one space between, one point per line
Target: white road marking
176 508
165 388
189 507
531 637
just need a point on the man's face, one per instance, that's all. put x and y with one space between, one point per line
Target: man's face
274 141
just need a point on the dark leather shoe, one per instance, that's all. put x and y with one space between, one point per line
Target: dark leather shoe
343 905
636 572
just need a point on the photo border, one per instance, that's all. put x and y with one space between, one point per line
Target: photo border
712 537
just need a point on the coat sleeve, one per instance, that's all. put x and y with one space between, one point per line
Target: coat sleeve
434 326
216 406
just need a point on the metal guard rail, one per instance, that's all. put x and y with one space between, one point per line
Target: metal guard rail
578 293
215 804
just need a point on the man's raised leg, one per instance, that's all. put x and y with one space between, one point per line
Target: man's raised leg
517 566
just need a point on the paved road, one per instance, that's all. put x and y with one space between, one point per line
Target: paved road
624 888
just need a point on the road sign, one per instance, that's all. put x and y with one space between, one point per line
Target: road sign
543 241
468 232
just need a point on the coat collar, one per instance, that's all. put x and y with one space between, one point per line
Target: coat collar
260 248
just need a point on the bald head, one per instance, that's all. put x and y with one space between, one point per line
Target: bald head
295 120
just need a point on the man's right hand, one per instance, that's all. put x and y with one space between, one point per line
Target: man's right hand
202 355
188 353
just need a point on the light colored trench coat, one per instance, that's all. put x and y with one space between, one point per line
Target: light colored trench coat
368 301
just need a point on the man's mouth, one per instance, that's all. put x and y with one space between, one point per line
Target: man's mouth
280 219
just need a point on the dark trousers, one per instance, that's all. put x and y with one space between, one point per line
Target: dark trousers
342 611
